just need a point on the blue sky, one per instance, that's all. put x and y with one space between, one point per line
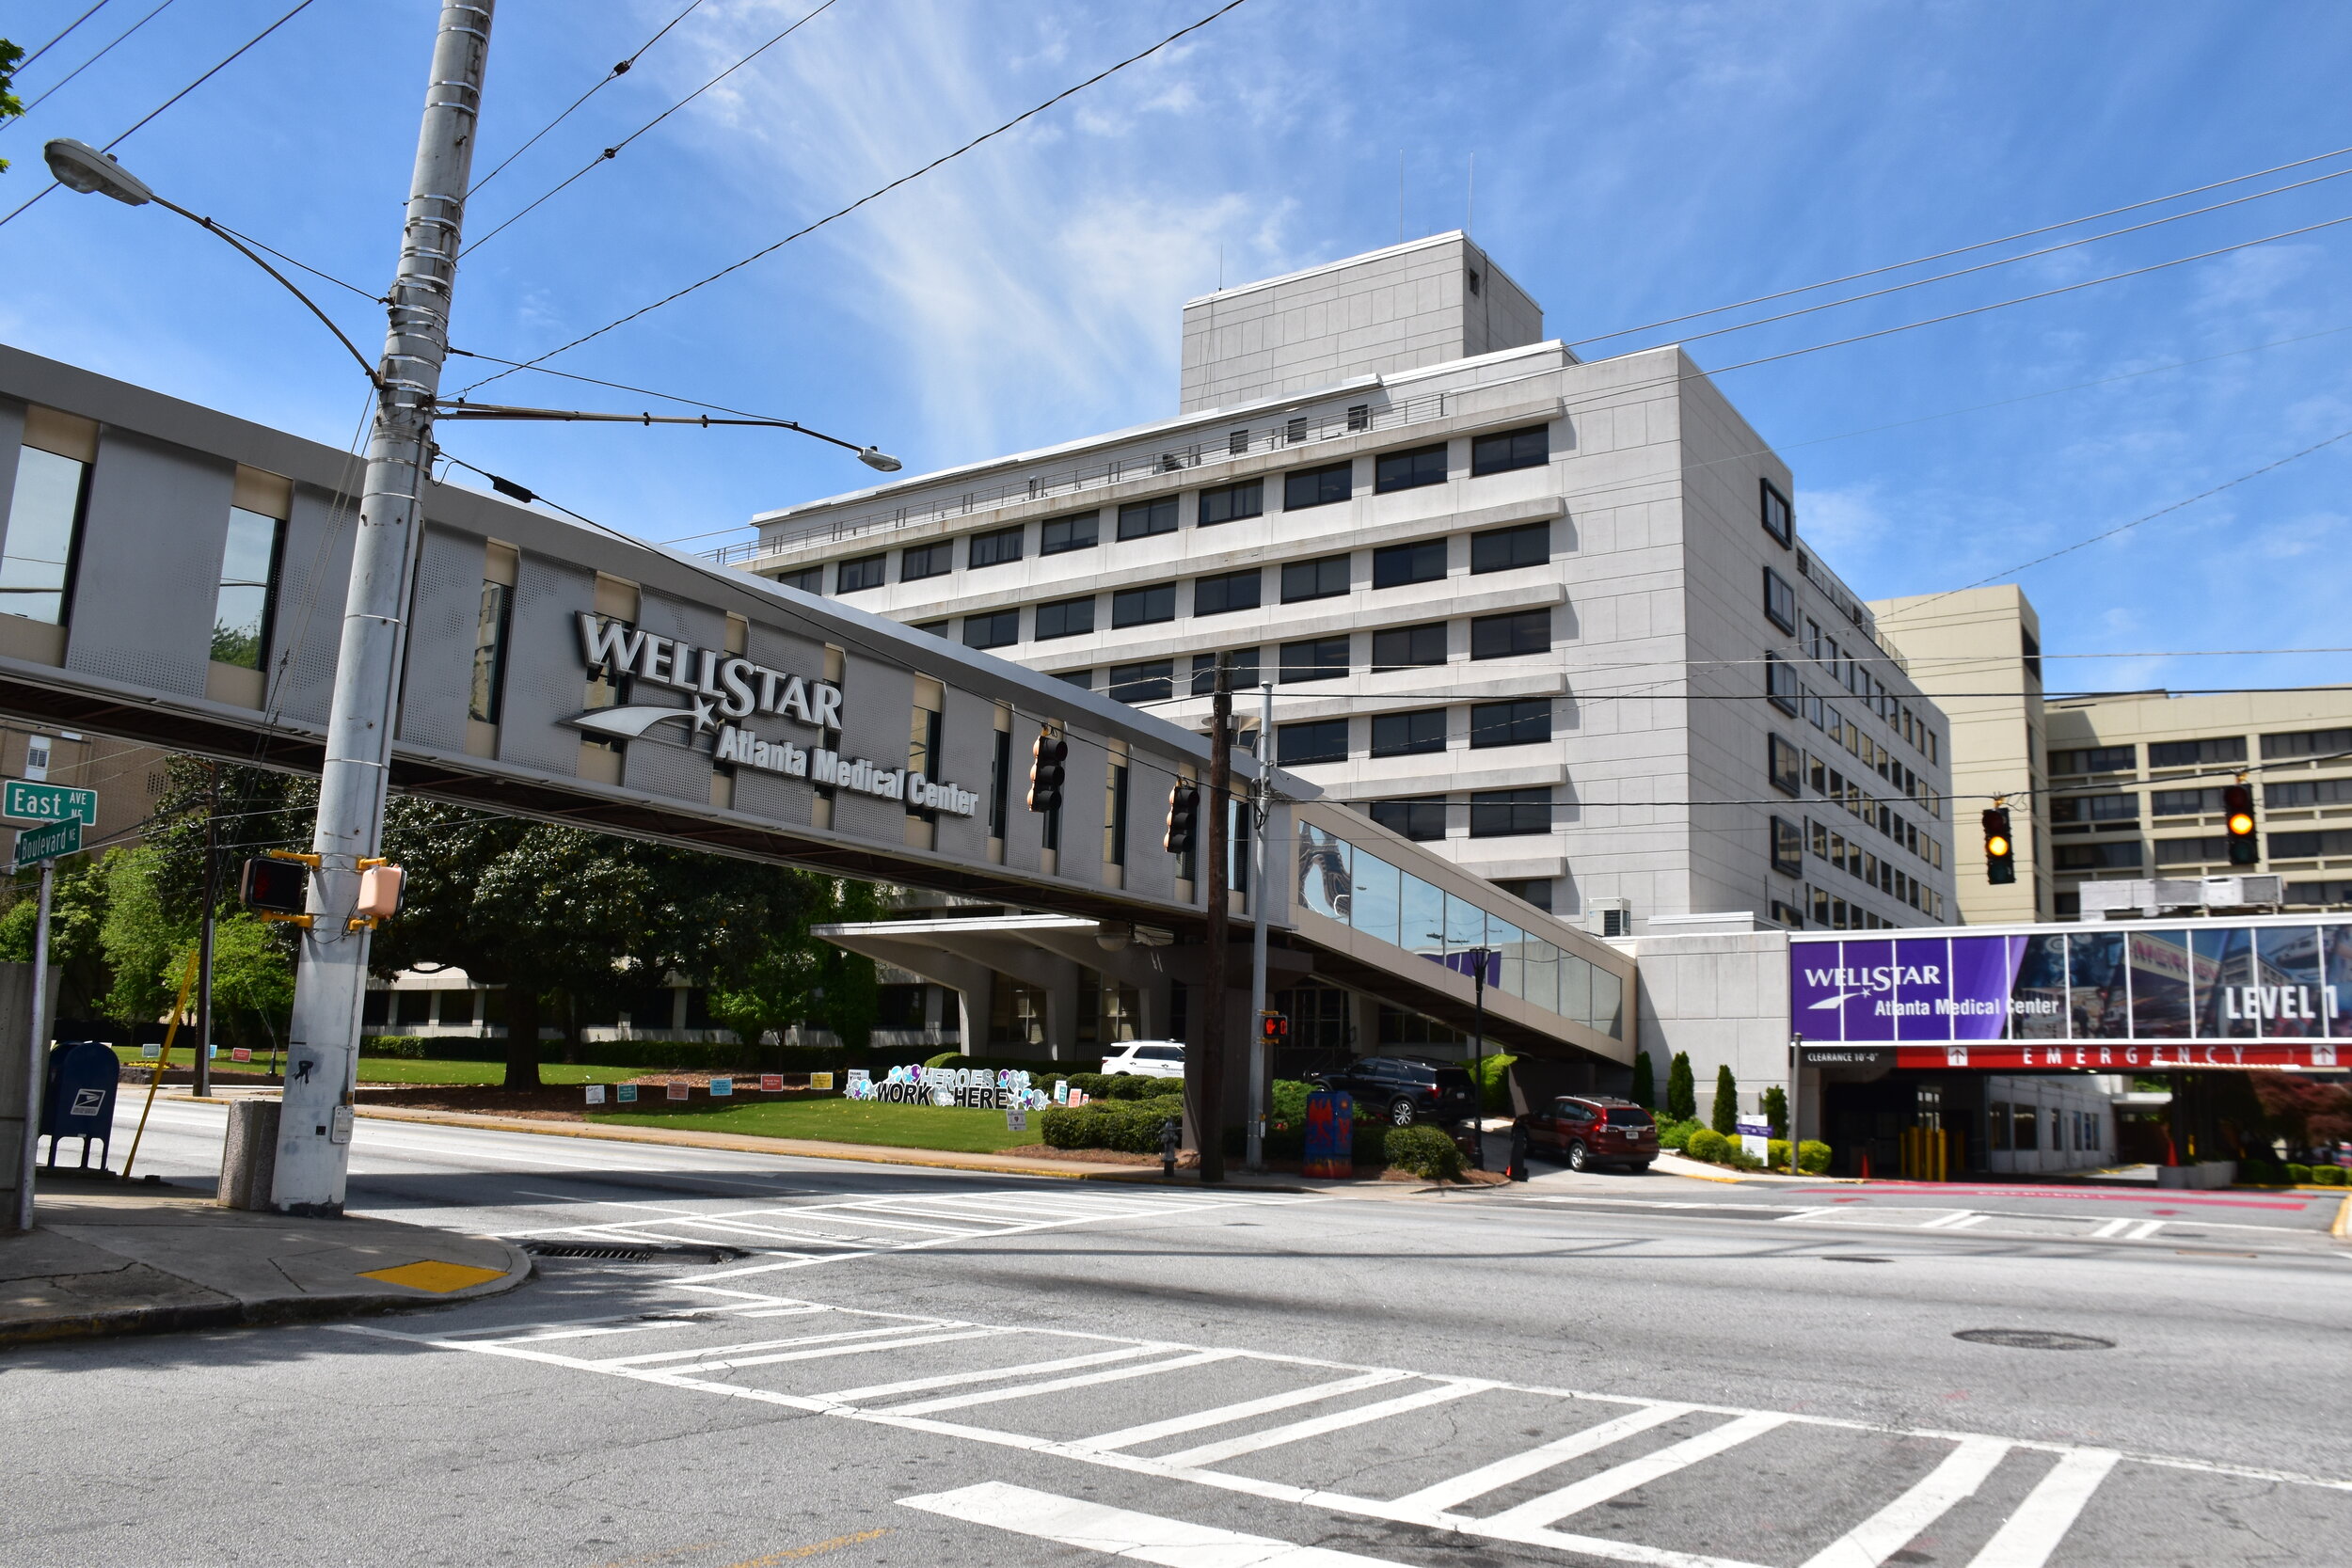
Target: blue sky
1633 163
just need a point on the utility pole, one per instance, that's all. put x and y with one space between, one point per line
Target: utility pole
1796 1087
322 1054
37 1079
204 942
1261 808
1478 1058
1204 1079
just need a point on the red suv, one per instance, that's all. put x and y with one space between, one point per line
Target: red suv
1589 1131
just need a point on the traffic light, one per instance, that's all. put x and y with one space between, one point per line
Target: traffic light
1048 764
1184 811
274 887
1274 1028
2237 806
2000 863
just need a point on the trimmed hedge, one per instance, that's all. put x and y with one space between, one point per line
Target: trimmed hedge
1424 1152
1132 1125
1034 1065
2298 1172
1124 1085
1812 1156
1675 1136
2328 1176
1709 1145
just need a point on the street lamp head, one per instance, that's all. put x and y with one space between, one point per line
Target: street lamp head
80 167
874 458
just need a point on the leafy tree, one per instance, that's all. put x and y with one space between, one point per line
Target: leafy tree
1724 1114
1776 1110
2304 1111
1645 1079
253 981
1682 1096
253 810
10 105
800 978
138 939
78 909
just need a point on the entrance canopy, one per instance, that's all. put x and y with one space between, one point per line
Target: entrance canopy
2267 992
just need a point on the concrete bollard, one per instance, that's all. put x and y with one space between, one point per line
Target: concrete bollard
248 1156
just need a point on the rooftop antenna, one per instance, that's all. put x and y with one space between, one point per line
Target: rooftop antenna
1400 196
1470 216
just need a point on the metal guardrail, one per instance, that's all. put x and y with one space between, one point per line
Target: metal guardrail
1243 440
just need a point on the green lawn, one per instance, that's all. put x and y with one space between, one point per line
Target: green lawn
398 1070
849 1121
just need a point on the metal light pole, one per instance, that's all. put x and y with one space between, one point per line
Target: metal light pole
1796 1084
37 1077
1261 808
1204 1077
323 1047
204 1080
1478 1059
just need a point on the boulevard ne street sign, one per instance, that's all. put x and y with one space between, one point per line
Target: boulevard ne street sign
27 801
36 845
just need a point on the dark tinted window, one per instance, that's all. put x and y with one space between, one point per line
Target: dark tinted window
926 560
998 630
2114 857
1500 549
1775 516
1141 519
1321 659
1785 764
1075 677
1422 820
1323 740
1229 501
937 628
1517 723
1314 580
1407 470
1630 1116
1140 607
1513 449
1787 849
1242 663
1221 595
1304 488
1150 682
2308 743
1394 565
808 580
995 547
866 571
1535 891
1065 618
1453 1080
1780 600
2195 802
1781 684
2112 808
1068 533
2095 759
1525 631
1405 735
1505 813
2190 753
1408 647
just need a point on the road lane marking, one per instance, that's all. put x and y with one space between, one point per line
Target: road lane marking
651 1356
2029 1535
825 1353
1892 1527
1055 1385
1543 1512
1340 1420
1445 1495
990 1374
1956 1219
1122 1532
1176 1426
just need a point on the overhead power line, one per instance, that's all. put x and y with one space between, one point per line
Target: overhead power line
614 151
52 90
618 71
871 196
300 6
61 36
1963 250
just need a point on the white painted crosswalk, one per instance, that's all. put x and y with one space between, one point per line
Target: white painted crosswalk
1482 1460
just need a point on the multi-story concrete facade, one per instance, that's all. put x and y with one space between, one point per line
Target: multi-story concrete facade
1978 651
1554 618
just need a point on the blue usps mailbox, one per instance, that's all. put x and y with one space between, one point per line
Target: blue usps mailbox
80 1100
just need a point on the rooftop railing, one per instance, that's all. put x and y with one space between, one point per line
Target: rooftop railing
1243 440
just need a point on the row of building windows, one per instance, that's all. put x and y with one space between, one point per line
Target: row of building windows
2210 752
2119 811
1790 770
1523 722
1511 635
1848 856
1303 488
1833 913
1492 813
1794 698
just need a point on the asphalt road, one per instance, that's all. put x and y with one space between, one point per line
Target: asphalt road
773 1360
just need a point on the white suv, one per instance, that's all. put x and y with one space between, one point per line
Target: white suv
1146 1059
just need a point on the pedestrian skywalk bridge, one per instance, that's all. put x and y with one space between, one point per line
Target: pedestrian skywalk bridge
1293 1441
785 1236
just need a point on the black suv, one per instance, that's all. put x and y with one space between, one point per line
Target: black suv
1412 1091
1589 1130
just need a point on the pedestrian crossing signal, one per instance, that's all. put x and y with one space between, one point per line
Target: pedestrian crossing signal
2000 861
1274 1028
1048 765
274 887
1184 813
2238 807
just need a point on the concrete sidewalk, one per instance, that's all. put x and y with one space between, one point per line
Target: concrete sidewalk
104 1259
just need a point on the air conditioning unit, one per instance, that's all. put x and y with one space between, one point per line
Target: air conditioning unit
1610 917
2238 892
2147 898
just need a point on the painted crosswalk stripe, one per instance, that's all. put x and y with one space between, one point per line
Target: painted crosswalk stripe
1594 1490
990 1374
706 1352
1176 1426
1122 1532
1959 1221
1518 1466
825 1352
1055 1385
2033 1532
1892 1527
1339 1420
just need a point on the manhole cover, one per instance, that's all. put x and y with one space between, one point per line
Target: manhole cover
2033 1339
609 1253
